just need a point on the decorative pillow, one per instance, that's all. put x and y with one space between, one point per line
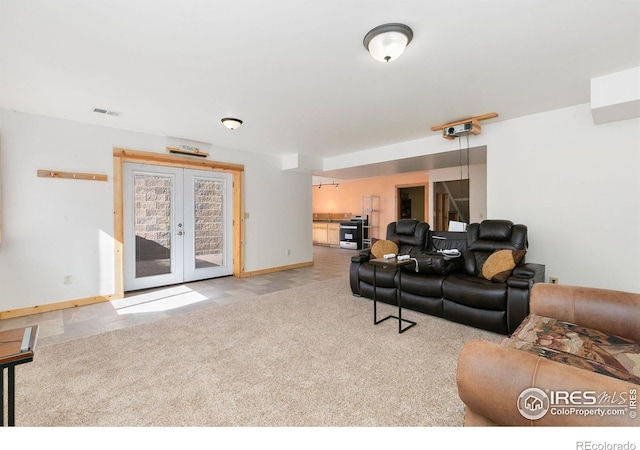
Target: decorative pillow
579 346
573 360
383 247
500 264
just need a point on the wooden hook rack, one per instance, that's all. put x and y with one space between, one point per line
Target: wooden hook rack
71 175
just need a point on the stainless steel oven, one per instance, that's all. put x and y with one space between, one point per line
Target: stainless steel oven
351 233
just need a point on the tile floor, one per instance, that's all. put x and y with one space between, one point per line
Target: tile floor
154 304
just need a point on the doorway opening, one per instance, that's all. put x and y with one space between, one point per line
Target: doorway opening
411 202
235 190
451 203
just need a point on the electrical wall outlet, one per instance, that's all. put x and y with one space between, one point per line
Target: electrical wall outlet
288 251
68 279
553 280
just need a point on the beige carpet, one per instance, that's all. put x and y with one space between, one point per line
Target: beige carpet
307 356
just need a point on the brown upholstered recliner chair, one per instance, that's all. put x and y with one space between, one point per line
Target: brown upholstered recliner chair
492 377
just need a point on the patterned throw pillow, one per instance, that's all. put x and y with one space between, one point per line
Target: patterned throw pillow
383 247
500 264
573 360
578 346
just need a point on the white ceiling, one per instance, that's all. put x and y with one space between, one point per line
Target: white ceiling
297 72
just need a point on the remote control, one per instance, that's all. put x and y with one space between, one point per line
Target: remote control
389 255
403 257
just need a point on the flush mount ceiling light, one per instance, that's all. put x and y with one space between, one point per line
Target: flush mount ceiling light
387 42
231 123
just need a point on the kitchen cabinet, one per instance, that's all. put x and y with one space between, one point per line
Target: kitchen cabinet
333 233
326 227
320 233
326 233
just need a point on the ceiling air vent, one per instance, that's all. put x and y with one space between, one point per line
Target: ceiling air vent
107 112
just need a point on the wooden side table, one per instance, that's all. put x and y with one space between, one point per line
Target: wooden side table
16 347
395 264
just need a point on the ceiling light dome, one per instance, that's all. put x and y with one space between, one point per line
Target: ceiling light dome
231 123
387 42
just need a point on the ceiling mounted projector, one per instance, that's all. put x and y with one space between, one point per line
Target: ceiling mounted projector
458 130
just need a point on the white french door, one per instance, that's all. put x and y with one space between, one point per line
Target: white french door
178 225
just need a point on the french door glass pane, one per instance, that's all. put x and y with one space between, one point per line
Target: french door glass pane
152 222
208 232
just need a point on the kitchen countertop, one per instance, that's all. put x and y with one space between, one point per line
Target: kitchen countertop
330 217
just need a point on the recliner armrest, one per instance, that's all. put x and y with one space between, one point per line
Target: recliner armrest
490 378
531 271
606 310
519 282
362 257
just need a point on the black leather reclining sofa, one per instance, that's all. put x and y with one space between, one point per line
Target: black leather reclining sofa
452 288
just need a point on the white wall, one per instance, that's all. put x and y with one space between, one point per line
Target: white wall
576 186
280 214
55 227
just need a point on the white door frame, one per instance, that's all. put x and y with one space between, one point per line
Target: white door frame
182 226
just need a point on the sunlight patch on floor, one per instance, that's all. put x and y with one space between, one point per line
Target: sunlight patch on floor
158 300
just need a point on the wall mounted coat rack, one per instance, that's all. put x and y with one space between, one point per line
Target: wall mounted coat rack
71 175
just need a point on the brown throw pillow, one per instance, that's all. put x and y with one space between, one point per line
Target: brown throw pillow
500 264
383 247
